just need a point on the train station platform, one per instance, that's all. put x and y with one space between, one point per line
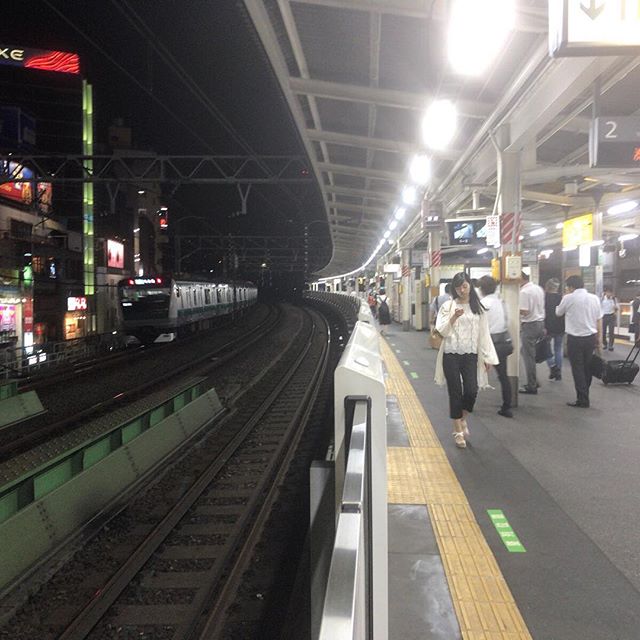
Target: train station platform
530 532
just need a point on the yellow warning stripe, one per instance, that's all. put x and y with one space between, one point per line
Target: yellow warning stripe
421 474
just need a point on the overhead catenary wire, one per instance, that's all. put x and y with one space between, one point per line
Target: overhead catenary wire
141 86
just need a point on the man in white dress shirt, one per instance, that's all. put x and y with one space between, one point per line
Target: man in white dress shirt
531 329
583 324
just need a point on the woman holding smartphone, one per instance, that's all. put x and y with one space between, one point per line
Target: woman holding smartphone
466 353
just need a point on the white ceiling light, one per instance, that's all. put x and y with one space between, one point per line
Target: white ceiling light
399 213
477 32
409 195
386 234
390 240
439 124
622 207
560 225
627 236
393 224
546 253
538 232
569 248
483 250
420 169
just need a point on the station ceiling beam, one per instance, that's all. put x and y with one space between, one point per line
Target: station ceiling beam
367 194
377 144
358 208
529 19
381 97
361 172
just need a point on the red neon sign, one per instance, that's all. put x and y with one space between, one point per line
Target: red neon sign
42 59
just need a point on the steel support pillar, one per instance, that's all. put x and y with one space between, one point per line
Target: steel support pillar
509 201
405 296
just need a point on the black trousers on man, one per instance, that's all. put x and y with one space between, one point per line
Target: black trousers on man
608 325
580 350
505 383
461 373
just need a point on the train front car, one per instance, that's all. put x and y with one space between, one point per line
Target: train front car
147 313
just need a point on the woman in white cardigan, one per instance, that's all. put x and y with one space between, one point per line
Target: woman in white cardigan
466 352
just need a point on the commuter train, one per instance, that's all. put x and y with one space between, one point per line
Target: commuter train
159 309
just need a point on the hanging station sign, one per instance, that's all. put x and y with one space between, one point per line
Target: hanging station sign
615 142
594 27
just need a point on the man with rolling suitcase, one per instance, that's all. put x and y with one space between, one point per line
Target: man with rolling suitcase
583 324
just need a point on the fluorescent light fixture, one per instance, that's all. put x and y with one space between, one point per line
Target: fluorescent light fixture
386 234
627 236
538 232
569 248
622 207
439 123
596 243
477 32
546 252
584 255
420 169
390 240
399 214
560 225
409 195
392 225
483 250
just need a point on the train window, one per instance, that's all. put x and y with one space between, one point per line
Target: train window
218 299
207 296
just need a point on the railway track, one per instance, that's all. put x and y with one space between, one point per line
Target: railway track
188 565
102 387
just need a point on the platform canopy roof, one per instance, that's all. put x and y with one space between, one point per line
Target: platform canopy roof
359 74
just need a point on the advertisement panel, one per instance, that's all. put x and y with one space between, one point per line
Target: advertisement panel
577 231
22 192
115 254
42 59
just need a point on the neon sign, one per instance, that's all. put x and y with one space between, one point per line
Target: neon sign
78 303
43 59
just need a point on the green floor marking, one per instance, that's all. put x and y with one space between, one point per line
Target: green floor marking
505 531
414 375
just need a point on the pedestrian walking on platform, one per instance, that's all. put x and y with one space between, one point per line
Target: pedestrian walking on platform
531 329
466 352
384 314
609 304
554 326
499 331
583 322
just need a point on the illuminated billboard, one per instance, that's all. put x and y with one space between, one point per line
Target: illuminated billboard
115 254
42 59
22 192
577 231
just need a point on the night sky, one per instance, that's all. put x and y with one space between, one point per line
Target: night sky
218 86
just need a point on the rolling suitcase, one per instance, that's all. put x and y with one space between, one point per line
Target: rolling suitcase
620 371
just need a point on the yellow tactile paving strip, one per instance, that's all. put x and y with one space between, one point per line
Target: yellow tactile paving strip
421 474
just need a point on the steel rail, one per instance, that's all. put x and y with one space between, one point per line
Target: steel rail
23 442
90 616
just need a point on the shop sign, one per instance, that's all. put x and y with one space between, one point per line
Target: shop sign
577 231
76 303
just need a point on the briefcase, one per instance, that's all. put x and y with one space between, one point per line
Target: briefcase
621 371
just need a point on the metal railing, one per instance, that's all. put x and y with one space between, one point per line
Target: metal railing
348 605
24 361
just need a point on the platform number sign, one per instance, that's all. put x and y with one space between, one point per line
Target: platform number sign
614 142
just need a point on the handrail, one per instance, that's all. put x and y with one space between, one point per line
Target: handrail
348 606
